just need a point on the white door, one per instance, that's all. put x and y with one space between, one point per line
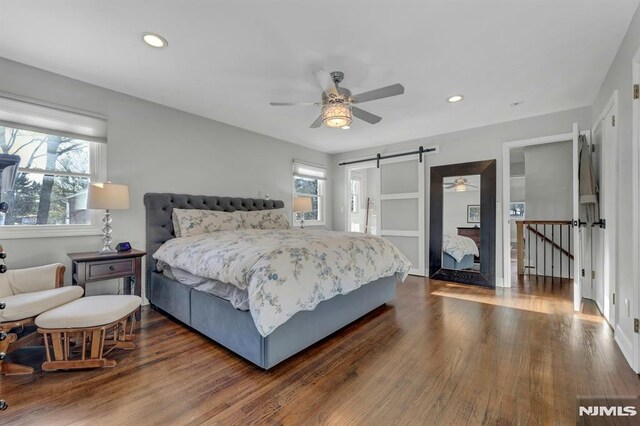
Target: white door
595 275
577 285
401 208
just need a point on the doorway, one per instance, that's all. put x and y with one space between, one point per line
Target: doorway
570 232
362 190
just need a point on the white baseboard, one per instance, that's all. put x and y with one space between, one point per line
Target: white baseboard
625 345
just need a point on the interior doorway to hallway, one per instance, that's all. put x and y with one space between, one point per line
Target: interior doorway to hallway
363 200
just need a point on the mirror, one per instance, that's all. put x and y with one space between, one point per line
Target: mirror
463 223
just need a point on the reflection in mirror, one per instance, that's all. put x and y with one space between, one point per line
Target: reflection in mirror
461 223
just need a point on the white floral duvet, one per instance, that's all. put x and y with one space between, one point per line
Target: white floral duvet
286 270
458 246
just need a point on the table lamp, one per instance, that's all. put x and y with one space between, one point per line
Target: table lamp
302 205
107 196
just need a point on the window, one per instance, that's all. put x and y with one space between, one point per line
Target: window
56 165
355 185
310 181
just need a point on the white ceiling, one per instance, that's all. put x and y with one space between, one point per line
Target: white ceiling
227 59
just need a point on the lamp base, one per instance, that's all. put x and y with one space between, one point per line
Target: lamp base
107 250
106 235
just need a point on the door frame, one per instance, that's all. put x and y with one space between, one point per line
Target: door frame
635 225
506 200
609 282
347 177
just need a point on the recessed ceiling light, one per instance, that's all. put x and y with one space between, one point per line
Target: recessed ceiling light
154 40
455 98
345 127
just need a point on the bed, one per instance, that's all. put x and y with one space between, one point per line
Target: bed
218 319
458 252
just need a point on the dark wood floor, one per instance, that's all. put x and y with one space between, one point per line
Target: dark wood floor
441 353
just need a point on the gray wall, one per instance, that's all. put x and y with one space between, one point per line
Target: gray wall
455 210
483 143
620 78
549 191
157 149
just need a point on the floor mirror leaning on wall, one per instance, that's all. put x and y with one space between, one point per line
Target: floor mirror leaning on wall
462 223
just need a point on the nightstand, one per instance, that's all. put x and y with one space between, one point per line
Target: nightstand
90 267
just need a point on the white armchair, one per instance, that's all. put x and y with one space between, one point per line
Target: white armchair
25 294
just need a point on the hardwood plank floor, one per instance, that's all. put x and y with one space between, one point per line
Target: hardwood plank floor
441 353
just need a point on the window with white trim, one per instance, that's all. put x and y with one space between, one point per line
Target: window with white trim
310 181
60 152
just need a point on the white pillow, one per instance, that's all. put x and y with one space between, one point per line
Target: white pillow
195 222
265 219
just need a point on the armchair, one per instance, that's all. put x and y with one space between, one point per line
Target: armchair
24 294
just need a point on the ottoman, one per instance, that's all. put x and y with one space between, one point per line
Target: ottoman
81 333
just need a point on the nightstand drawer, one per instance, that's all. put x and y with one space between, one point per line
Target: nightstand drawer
105 269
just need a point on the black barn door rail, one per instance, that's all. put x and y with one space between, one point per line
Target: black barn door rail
421 150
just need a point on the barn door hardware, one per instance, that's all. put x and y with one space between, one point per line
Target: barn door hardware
421 151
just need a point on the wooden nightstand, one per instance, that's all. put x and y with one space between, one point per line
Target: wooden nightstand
90 266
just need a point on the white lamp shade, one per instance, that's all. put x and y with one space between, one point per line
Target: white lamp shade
302 204
107 195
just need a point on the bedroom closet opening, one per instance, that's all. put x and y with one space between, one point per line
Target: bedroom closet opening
363 189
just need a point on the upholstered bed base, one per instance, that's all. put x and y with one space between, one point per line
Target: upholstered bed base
235 329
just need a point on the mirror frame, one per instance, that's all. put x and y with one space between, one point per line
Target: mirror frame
487 171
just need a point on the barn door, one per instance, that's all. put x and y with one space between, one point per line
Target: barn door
401 207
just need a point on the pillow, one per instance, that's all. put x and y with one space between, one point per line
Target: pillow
176 225
195 222
265 219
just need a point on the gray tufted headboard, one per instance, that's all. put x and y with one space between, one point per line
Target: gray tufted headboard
159 207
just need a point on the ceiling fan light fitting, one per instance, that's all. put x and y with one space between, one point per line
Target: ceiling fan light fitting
336 116
462 187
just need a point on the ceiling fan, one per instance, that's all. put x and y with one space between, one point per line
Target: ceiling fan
337 102
459 185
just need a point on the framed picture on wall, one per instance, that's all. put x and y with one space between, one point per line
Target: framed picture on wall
473 213
516 210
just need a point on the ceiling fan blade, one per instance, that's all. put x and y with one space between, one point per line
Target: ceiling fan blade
383 92
317 123
449 185
325 81
291 103
364 115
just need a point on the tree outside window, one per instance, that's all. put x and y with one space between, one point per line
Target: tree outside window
313 188
52 180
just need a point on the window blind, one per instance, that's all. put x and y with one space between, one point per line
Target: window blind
309 171
40 118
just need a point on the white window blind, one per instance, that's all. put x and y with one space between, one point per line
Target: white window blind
309 171
40 118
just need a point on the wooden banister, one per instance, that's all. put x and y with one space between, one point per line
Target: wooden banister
553 243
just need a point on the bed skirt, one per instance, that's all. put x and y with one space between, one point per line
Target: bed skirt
234 329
